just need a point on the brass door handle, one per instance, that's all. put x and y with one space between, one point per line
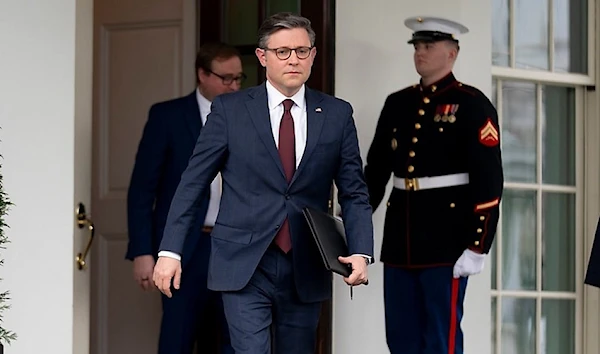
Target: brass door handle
82 221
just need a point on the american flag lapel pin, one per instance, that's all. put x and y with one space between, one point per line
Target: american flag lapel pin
318 110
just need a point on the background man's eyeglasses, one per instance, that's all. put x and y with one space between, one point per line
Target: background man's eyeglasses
284 53
228 79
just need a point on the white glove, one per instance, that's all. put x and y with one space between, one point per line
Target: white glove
469 263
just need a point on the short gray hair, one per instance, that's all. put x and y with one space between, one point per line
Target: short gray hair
283 20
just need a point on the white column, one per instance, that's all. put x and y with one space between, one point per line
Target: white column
45 141
372 61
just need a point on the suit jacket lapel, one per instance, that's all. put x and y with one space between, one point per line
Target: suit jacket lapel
192 116
315 117
258 106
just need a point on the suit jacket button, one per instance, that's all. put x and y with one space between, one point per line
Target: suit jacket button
287 196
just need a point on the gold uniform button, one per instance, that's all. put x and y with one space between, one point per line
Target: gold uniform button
421 112
394 130
388 203
482 218
411 168
426 100
479 231
414 140
476 243
411 154
433 88
441 129
452 205
417 126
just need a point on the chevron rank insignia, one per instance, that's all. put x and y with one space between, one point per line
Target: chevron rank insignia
488 134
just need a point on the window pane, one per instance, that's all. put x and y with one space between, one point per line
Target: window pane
519 240
558 327
518 326
275 6
570 36
519 132
558 126
494 309
531 39
500 33
242 21
558 238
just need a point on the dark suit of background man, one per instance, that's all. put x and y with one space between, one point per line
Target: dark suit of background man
279 146
167 143
440 140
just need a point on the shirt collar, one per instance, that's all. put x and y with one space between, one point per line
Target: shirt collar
203 103
275 97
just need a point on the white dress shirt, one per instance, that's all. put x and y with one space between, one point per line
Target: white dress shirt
215 186
298 112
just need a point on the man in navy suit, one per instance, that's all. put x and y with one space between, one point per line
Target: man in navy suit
278 146
167 143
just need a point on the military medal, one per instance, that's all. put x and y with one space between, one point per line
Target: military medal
452 116
441 113
394 144
445 113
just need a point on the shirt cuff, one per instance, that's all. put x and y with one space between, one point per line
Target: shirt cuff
368 258
169 254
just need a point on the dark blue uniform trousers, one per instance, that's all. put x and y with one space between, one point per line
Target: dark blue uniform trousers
268 310
423 310
193 309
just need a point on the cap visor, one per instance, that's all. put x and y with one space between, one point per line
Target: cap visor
421 39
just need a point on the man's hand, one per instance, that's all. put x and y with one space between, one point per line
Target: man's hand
166 269
469 263
359 270
143 266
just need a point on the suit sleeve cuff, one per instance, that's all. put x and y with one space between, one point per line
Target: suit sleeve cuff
169 254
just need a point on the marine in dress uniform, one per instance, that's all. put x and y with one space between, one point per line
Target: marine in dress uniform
440 142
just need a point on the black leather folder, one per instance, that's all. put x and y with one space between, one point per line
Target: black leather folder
330 237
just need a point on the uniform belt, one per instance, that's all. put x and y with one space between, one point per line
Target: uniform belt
207 229
415 184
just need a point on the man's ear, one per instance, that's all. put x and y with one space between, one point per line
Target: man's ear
201 74
260 54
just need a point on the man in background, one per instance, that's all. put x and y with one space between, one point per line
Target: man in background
168 141
441 141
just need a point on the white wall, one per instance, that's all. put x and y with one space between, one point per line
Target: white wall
372 61
42 105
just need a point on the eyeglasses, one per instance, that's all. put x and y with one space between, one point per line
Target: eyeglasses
284 53
229 79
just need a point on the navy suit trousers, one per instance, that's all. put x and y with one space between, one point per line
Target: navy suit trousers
268 311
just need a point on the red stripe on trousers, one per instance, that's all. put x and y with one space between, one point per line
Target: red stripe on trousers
453 304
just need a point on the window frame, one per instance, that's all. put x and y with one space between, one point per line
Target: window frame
549 75
539 187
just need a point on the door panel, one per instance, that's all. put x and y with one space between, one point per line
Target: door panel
141 56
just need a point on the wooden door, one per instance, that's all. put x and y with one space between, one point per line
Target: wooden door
236 22
143 53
